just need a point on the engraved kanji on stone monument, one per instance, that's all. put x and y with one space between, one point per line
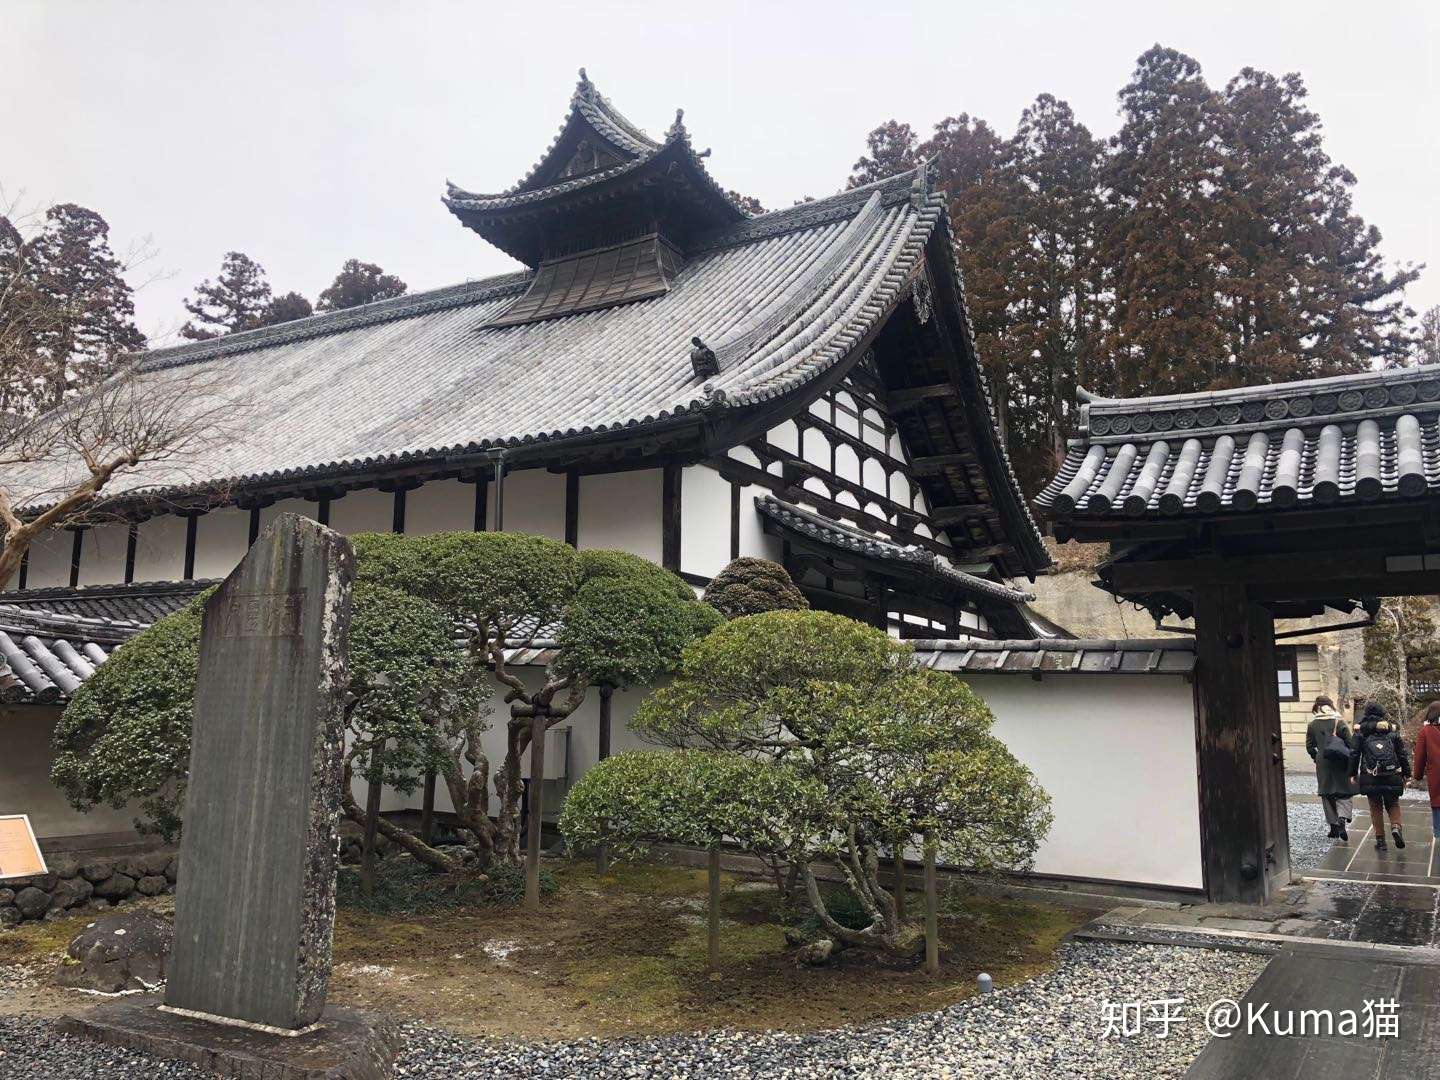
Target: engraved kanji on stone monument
255 905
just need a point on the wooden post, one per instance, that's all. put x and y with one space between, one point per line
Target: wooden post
932 908
713 956
898 857
602 850
427 807
372 824
537 810
1244 845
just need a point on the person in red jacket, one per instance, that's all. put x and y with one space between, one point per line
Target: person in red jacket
1427 760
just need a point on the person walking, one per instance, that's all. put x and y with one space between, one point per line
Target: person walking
1380 767
1327 741
1427 761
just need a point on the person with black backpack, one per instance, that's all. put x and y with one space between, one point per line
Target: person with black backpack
1327 741
1380 767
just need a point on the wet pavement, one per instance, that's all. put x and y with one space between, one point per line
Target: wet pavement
1417 863
1302 999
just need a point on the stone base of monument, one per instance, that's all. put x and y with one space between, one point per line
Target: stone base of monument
344 1045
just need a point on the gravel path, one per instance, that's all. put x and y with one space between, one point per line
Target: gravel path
1050 1027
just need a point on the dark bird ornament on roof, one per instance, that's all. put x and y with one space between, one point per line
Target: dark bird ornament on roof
702 359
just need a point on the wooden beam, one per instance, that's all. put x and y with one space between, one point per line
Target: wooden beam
1326 571
908 397
931 464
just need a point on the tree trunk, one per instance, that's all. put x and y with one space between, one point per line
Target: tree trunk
372 821
932 908
537 810
713 953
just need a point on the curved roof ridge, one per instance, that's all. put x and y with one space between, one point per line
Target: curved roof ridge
1381 377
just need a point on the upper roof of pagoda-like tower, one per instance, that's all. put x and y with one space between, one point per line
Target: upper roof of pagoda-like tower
603 181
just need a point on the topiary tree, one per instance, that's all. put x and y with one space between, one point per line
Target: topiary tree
126 734
749 586
613 618
813 739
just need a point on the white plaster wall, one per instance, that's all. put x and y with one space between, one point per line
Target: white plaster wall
817 449
534 503
785 437
704 521
25 786
753 541
49 562
221 539
440 506
1116 753
622 511
160 549
102 556
1135 821
365 510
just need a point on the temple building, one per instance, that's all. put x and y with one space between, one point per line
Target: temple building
668 375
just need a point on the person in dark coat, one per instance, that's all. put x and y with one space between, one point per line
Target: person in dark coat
1332 775
1380 767
1427 760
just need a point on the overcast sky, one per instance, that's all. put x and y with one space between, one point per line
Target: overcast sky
305 133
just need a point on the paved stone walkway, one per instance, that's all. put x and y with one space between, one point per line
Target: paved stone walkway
1330 980
1357 859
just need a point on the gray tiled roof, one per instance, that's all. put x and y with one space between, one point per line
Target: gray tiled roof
140 603
1356 438
1138 656
422 378
45 657
907 558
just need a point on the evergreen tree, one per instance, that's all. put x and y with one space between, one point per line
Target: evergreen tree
1427 337
1303 287
235 300
1053 286
285 308
359 283
892 149
69 314
1164 242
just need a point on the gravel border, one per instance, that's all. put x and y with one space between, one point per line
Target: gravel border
1050 1027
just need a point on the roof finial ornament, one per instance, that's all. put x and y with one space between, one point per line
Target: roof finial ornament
702 359
584 88
677 129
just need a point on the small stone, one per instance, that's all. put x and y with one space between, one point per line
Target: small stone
131 866
172 869
64 867
119 951
151 885
44 882
96 872
7 896
10 916
31 902
55 914
155 862
116 887
72 891
817 953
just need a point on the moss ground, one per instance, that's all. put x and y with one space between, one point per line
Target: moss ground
624 954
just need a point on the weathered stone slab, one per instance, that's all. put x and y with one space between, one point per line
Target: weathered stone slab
345 1045
255 908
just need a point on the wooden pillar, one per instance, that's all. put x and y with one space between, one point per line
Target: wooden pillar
1244 844
602 850
537 811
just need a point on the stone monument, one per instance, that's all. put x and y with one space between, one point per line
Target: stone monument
255 901
255 905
